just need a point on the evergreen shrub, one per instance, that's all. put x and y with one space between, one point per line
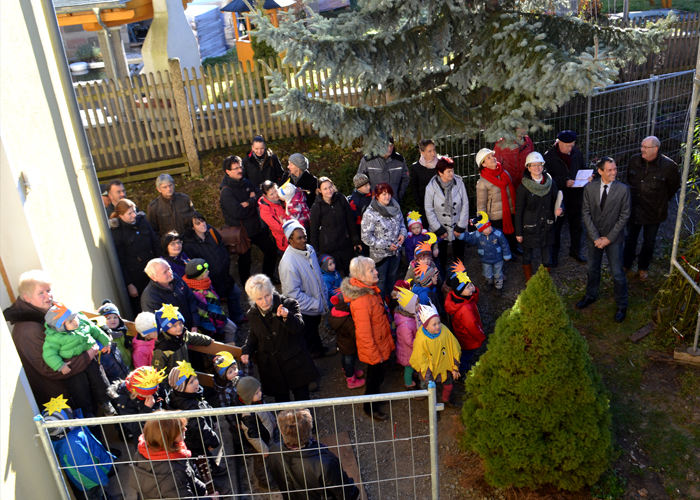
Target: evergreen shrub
536 410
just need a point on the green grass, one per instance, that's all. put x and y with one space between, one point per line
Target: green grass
610 6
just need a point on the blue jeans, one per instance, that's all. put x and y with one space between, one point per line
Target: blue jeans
233 301
595 261
387 274
465 360
647 252
493 272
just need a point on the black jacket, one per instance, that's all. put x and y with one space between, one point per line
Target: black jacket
342 324
307 182
534 216
213 250
284 362
560 173
312 473
271 169
177 294
136 244
419 179
126 405
332 225
652 184
169 215
233 193
201 433
359 203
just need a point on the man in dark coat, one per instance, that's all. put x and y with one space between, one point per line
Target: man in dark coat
390 168
563 161
653 179
170 210
239 204
168 288
115 191
261 164
299 175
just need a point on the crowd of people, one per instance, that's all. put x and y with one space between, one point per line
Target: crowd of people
328 255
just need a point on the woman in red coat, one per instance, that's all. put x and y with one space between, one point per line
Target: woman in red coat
372 329
273 213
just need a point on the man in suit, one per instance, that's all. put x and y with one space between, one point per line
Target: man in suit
606 210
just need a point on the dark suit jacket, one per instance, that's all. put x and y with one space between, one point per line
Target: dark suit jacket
612 220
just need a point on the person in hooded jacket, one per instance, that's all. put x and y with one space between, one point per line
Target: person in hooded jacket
299 175
273 213
332 228
261 164
136 244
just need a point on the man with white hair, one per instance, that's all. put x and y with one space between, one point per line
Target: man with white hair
168 288
653 179
169 211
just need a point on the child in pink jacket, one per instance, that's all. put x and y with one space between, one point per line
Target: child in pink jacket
406 328
145 341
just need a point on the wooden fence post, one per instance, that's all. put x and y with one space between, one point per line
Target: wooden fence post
183 115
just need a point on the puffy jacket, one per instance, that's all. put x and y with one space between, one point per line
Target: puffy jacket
311 473
169 215
343 325
534 216
61 346
307 182
143 352
170 349
466 321
174 478
234 192
274 215
652 184
212 250
488 199
332 227
176 293
372 328
271 169
444 220
492 248
573 197
512 157
380 232
83 458
406 328
124 404
298 208
333 281
301 279
420 178
136 244
392 170
201 431
358 204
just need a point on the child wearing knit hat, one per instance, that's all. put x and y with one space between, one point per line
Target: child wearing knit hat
426 286
226 379
416 234
145 342
359 200
330 275
173 338
115 328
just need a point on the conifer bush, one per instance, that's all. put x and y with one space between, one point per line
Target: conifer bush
535 408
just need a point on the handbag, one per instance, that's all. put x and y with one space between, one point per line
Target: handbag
235 238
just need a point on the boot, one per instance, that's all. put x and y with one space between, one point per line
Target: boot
527 269
359 373
354 382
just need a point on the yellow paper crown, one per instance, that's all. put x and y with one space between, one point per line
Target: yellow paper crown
146 377
483 217
413 216
170 311
56 405
186 369
224 359
407 299
432 238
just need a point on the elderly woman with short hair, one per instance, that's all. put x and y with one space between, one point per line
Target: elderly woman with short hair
372 329
275 339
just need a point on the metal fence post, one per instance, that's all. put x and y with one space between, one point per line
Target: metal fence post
657 83
183 115
650 104
432 418
588 130
46 441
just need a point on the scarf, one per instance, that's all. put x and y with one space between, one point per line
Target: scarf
204 284
260 159
160 454
565 158
447 189
295 179
427 164
390 211
494 177
537 188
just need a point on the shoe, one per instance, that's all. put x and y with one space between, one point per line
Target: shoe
584 303
378 415
527 269
620 314
412 386
108 409
453 404
578 258
355 383
643 275
314 386
359 373
555 260
498 292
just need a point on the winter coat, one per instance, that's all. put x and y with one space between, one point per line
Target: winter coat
212 318
177 264
379 233
466 321
170 349
358 204
142 352
274 215
435 355
234 192
372 328
406 329
420 178
201 431
176 293
652 184
136 245
284 362
534 216
271 169
212 250
303 471
307 182
392 170
255 430
332 281
512 158
573 197
412 241
169 215
28 334
120 338
174 478
488 198
332 227
443 221
83 458
301 279
343 325
298 208
492 248
124 404
61 346
226 397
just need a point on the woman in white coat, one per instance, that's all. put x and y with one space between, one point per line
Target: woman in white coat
447 209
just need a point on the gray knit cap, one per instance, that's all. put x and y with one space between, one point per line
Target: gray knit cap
300 161
360 180
246 389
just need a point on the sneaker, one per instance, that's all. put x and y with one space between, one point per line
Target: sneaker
359 373
452 404
108 409
355 383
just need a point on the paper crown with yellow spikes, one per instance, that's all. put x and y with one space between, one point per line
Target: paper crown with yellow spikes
413 217
425 312
459 278
223 360
144 381
56 410
424 273
167 316
407 300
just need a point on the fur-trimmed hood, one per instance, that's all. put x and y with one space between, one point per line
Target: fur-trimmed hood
114 222
353 289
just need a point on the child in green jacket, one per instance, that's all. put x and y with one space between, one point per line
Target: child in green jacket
69 334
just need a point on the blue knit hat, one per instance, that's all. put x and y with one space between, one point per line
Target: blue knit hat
167 316
108 308
323 261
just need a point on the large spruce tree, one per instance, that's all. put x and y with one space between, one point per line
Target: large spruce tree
449 66
535 409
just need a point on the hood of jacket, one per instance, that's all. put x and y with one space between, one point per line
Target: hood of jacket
23 311
353 289
116 222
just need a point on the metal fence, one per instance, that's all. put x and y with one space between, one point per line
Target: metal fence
396 459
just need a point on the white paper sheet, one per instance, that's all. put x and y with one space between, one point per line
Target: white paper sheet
582 178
